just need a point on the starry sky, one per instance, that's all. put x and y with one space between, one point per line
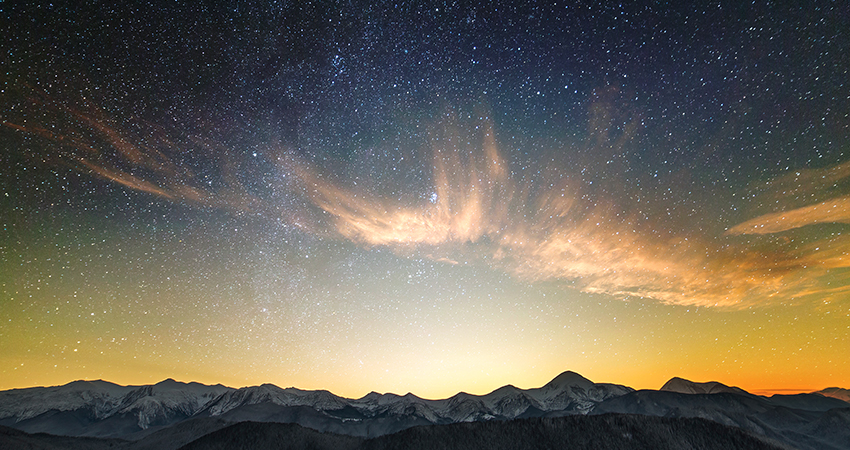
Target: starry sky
426 197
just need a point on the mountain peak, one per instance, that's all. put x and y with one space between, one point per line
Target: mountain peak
505 390
411 396
371 396
91 384
568 378
684 386
835 392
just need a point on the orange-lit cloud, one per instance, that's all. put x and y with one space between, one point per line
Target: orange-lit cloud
480 212
836 210
471 197
804 266
804 197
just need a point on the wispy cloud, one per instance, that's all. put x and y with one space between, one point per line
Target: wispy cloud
836 210
472 194
554 230
817 268
480 212
800 198
146 160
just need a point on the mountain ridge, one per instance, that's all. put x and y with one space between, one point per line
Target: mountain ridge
835 392
685 386
708 387
103 409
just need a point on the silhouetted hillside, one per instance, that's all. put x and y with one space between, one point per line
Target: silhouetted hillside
175 436
574 432
12 439
263 435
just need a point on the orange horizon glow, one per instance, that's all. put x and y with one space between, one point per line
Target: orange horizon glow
431 394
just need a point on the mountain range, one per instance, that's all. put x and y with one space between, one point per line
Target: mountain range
171 414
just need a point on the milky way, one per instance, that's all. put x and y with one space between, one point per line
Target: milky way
433 198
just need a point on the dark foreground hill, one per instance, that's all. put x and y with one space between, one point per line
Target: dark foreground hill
12 439
602 432
573 432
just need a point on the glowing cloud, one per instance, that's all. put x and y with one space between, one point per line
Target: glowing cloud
556 232
793 193
471 200
826 258
831 211
480 213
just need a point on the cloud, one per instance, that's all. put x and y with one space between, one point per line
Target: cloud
803 197
818 267
148 160
800 187
472 194
546 227
554 229
836 210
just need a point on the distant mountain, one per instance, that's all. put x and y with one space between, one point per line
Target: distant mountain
834 392
807 402
170 414
100 408
684 386
816 401
760 415
377 414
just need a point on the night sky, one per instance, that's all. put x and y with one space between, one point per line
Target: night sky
433 198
